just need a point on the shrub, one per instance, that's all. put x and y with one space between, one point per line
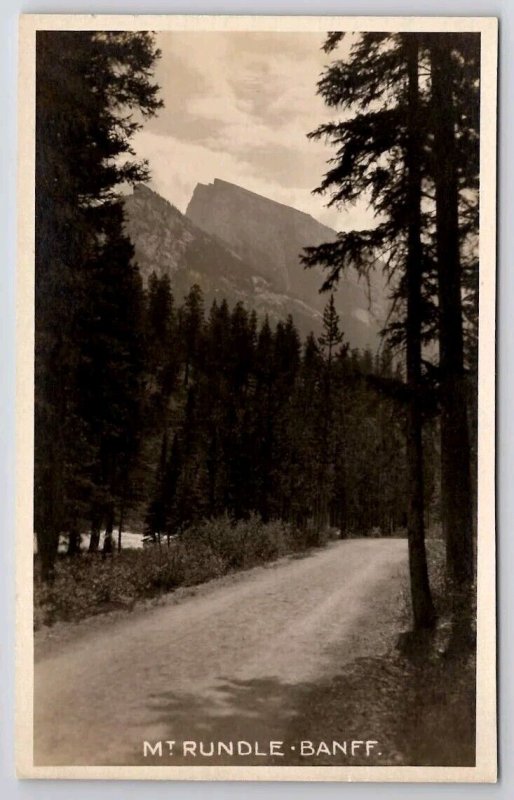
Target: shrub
88 584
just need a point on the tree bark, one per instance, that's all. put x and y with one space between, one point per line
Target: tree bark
94 541
73 541
422 606
49 491
120 526
456 494
108 545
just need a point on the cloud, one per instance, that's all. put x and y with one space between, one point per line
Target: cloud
238 106
177 167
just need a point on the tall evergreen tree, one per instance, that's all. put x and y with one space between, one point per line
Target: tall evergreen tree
156 516
108 377
88 83
423 609
454 69
191 326
330 338
265 417
380 154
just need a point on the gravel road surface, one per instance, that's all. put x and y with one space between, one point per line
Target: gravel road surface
232 662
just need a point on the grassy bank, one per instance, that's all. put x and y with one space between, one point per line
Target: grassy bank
436 726
89 584
416 700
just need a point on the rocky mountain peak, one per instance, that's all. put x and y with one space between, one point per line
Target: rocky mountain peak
242 246
268 234
271 236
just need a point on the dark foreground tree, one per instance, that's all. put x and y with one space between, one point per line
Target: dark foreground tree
379 155
454 74
87 86
423 610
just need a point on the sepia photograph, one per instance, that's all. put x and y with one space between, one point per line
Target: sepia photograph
256 342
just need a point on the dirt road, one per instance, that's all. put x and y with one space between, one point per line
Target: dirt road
235 662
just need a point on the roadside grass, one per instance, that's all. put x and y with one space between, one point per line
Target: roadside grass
437 723
89 584
417 702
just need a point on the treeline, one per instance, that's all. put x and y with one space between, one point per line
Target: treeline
245 418
217 412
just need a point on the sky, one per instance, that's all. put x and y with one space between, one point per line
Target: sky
238 106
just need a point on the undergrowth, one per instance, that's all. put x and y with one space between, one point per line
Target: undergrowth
89 584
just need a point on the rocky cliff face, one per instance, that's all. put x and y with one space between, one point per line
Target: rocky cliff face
168 243
238 245
267 234
270 237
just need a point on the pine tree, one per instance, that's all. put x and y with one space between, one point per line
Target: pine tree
380 149
242 343
160 338
331 336
423 610
156 517
87 84
215 399
451 174
264 407
170 488
191 326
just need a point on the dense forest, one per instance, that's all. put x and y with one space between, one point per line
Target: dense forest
153 412
249 419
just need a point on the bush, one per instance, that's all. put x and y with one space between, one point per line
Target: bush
88 584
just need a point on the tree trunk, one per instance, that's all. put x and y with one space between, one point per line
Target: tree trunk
456 495
49 491
120 527
107 548
422 607
73 541
47 547
94 541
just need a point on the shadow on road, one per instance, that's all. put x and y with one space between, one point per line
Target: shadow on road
407 710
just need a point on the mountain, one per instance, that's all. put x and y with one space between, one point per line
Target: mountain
244 247
168 243
267 234
271 236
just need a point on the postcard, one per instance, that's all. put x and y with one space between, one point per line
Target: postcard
255 398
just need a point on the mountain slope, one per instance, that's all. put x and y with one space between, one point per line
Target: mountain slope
168 243
271 237
254 258
267 234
